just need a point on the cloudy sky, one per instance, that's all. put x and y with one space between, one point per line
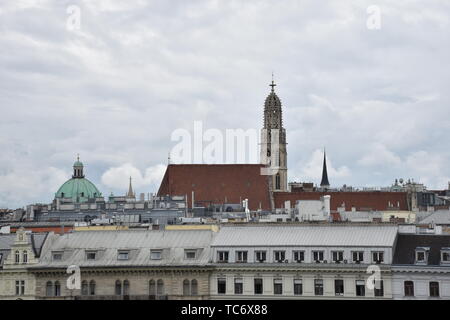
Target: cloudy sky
115 89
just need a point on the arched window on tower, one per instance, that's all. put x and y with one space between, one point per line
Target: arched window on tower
277 182
17 256
25 257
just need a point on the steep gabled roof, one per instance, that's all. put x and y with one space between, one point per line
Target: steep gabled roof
217 183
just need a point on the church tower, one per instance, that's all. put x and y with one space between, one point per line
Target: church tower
273 142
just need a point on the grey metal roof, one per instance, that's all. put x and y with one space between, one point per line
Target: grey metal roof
309 235
438 217
139 242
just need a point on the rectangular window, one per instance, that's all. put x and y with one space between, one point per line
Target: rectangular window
379 288
221 286
358 256
377 257
91 255
337 256
222 256
409 288
122 255
339 287
298 287
277 286
258 285
299 256
22 287
238 286
260 256
190 254
434 289
241 256
279 256
360 288
17 287
318 256
318 287
155 254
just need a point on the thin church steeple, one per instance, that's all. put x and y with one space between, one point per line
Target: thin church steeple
324 183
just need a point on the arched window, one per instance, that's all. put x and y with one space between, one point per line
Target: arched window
186 288
126 288
152 288
82 194
62 194
25 256
84 288
118 288
57 289
160 287
17 256
92 288
194 287
49 289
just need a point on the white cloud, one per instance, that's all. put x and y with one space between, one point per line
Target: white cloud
117 178
312 170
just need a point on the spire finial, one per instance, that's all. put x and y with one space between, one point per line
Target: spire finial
78 157
168 158
130 193
272 84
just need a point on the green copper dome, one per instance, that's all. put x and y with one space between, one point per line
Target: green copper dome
79 189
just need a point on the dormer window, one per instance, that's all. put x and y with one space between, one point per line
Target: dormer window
222 256
338 256
260 256
123 255
91 255
190 254
241 256
378 257
25 257
155 254
57 256
422 255
445 255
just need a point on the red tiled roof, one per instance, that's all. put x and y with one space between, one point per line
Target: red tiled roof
213 183
361 200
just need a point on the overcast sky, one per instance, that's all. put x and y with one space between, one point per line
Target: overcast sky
116 89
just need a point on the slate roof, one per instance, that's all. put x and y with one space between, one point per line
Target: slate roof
406 245
438 217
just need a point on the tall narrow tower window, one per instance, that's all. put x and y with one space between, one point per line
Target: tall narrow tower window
277 182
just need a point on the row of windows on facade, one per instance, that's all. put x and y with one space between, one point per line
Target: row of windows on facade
299 256
122 288
360 286
125 255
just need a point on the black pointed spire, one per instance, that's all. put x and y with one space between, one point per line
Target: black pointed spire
324 183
